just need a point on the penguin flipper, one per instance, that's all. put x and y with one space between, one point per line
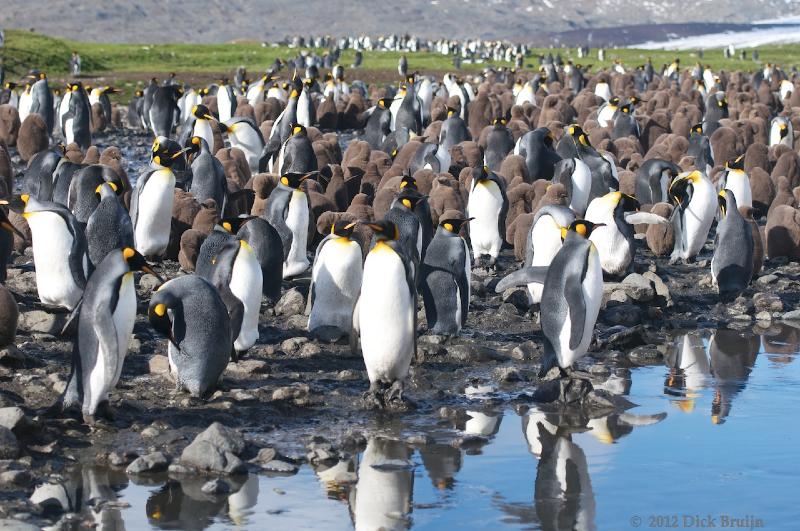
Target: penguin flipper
573 291
522 277
106 333
72 315
355 330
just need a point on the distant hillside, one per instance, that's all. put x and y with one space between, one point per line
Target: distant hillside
155 21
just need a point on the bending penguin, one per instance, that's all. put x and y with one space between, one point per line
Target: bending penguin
732 263
189 312
105 323
696 205
287 210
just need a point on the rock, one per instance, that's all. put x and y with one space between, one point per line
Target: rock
793 315
148 464
767 279
623 314
507 374
158 364
662 291
51 497
563 390
122 458
215 449
764 317
9 524
292 303
150 432
473 352
309 350
43 322
518 297
293 343
9 447
645 355
223 437
248 367
11 356
290 392
282 467
15 478
766 302
526 351
265 455
148 283
507 310
617 297
14 419
638 287
216 487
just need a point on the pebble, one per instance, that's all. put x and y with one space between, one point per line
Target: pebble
9 447
638 288
276 465
291 303
767 279
150 432
148 283
148 464
526 351
507 374
294 343
793 315
43 322
158 364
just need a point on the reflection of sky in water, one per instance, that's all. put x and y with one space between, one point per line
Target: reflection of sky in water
746 465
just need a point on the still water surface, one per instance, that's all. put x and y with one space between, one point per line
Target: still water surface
714 435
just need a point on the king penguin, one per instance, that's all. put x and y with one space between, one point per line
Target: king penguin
445 277
42 102
605 114
287 210
297 153
488 206
268 247
407 222
780 132
385 315
732 263
653 179
151 202
200 125
540 157
105 324
109 226
700 148
696 205
572 293
378 123
76 120
226 101
499 143
738 182
544 241
59 252
164 109
335 283
245 135
189 312
208 175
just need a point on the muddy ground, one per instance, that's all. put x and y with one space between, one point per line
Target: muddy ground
290 392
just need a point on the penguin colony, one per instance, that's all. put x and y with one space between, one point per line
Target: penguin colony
572 170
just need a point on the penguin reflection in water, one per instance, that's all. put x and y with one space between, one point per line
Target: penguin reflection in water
105 322
572 292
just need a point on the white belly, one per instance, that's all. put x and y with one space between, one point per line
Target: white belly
481 423
224 105
297 221
739 183
246 284
546 239
337 278
25 102
581 187
485 204
52 242
254 93
304 110
154 219
382 496
393 109
202 128
69 134
246 139
698 217
592 294
603 90
386 317
605 115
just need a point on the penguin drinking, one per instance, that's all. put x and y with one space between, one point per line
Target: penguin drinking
696 205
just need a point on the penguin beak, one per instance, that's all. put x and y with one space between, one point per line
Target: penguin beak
208 117
350 225
149 270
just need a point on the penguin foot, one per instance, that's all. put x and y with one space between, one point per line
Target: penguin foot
395 392
105 412
373 399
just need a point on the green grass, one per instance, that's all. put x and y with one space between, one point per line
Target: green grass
128 65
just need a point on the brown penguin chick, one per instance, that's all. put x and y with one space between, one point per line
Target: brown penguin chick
184 209
627 182
724 144
98 122
352 116
657 124
519 201
783 195
424 179
783 233
466 154
406 153
517 233
32 137
267 110
788 165
211 103
9 315
432 132
763 191
92 156
207 217
234 162
9 124
445 196
357 154
21 224
513 168
112 157
660 238
245 110
262 185
756 156
116 116
758 244
555 194
361 208
336 191
327 114
383 201
73 153
322 151
6 172
191 241
480 113
266 129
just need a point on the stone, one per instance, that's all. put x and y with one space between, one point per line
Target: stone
265 455
662 291
204 456
526 351
9 447
248 367
11 356
293 343
9 524
767 302
624 315
309 350
43 322
150 432
223 437
793 315
518 297
291 392
645 355
617 297
764 317
471 352
638 287
148 464
122 458
767 279
51 497
148 283
158 364
291 303
13 418
282 467
216 487
507 374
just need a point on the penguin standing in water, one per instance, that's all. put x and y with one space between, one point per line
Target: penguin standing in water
151 202
105 324
164 109
378 124
488 206
732 263
245 135
208 175
382 497
780 132
7 232
226 101
109 226
189 312
700 148
335 283
287 210
76 120
696 205
738 182
235 271
544 241
540 157
499 143
385 316
445 279
268 248
572 292
653 179
59 252
297 153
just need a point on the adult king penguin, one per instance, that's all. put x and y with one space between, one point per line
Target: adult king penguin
540 157
287 210
76 117
105 324
245 135
544 241
696 205
653 179
385 316
738 182
488 205
208 175
109 226
499 143
732 263
780 132
297 153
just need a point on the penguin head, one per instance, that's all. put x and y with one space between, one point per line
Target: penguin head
139 93
294 180
10 85
499 122
108 188
202 112
408 181
625 109
136 262
624 202
783 127
165 152
679 185
633 100
384 230
722 102
160 312
453 225
196 145
343 228
232 225
409 197
736 164
726 201
697 129
613 102
578 135
384 103
299 130
580 227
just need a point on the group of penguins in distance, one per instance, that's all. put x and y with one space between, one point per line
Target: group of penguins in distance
560 164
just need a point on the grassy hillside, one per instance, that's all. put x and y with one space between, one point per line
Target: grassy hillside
129 64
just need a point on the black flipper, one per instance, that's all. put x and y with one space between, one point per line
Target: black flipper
522 277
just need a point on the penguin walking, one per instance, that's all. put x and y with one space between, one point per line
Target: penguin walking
189 312
488 206
544 242
445 277
572 292
385 315
696 205
738 182
287 210
105 324
245 135
335 283
151 202
499 143
208 175
147 102
100 95
59 252
306 112
540 157
297 153
653 179
422 209
732 263
109 226
402 66
780 132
